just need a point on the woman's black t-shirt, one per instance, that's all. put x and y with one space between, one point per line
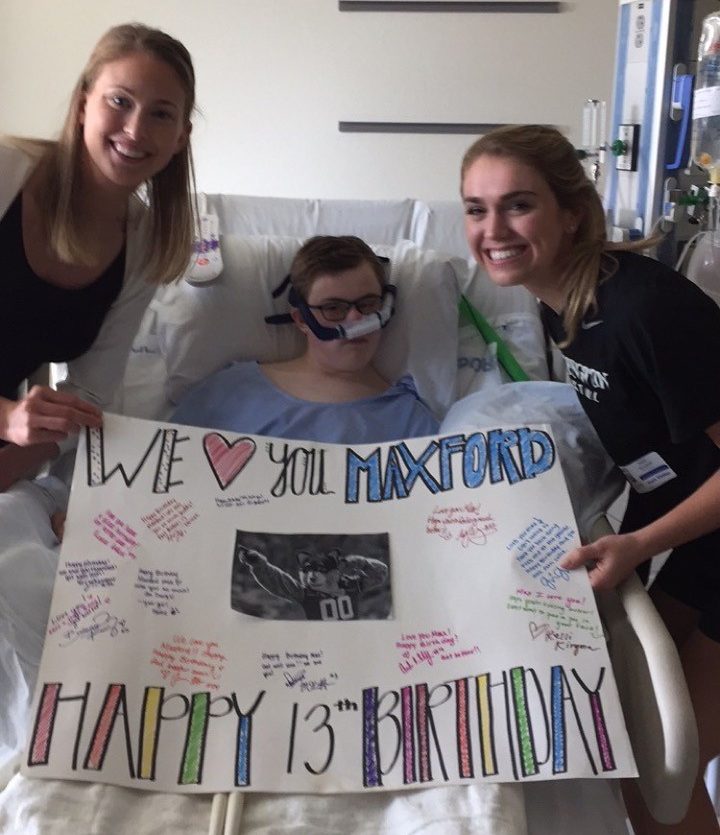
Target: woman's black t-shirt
39 321
646 367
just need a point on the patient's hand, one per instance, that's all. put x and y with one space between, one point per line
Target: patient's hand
610 559
57 523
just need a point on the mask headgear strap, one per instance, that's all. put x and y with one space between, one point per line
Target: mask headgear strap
360 327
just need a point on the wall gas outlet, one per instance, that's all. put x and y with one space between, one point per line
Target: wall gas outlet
625 147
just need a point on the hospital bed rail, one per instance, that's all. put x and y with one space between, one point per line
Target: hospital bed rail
660 719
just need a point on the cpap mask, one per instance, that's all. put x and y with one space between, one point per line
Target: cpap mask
360 327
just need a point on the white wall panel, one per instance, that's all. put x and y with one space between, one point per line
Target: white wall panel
276 76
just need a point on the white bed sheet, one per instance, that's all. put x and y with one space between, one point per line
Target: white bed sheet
54 807
28 559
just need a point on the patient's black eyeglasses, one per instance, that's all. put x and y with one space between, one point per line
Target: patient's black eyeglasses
336 310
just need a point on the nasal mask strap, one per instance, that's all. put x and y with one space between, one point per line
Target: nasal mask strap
360 327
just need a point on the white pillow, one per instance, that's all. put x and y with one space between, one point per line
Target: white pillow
201 329
514 314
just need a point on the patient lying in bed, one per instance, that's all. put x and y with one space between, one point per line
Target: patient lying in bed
332 392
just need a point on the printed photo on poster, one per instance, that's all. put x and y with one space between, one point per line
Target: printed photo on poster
312 576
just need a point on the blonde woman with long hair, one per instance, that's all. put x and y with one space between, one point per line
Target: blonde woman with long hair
82 254
642 345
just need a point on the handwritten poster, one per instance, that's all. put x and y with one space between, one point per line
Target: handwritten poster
251 613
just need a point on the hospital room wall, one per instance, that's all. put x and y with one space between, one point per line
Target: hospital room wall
276 76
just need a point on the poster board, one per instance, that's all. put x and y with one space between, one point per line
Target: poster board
236 612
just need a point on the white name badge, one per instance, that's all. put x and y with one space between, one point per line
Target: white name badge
648 472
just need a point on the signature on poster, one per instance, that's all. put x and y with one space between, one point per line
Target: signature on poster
427 648
559 640
113 532
89 574
538 547
562 613
193 660
248 500
71 617
301 671
159 589
101 623
170 521
465 524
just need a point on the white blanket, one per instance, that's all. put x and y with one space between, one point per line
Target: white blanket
54 807
28 559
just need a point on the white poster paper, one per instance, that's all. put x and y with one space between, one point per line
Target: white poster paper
236 612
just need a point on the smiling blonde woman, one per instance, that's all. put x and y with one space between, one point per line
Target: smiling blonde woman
82 256
642 345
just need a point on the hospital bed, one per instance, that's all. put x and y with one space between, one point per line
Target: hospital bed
191 330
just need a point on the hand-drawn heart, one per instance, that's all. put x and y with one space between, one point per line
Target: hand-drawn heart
537 629
227 459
